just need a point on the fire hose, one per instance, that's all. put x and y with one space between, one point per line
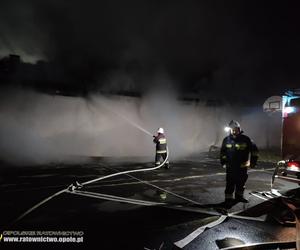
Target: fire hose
180 243
89 182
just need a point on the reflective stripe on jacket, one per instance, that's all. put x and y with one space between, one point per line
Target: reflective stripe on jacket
161 143
238 151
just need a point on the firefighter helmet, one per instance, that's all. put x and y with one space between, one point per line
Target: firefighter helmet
160 130
235 127
234 124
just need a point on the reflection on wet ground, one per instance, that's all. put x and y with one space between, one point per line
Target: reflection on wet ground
149 210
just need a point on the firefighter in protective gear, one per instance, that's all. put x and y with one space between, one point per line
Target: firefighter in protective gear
161 148
238 153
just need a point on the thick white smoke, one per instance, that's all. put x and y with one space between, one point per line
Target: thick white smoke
39 128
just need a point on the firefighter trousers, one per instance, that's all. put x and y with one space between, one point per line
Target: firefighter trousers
159 156
235 182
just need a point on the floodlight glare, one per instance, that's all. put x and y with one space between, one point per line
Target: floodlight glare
227 129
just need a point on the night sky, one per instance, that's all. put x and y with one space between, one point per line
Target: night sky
239 50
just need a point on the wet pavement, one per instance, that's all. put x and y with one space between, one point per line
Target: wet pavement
156 209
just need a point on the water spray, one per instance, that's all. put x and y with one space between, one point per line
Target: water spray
121 116
102 177
134 124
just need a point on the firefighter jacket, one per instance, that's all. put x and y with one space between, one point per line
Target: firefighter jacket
238 151
161 143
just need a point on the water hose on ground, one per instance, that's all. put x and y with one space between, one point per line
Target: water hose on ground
86 183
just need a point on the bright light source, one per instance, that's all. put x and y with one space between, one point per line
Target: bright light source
227 129
293 166
289 110
293 163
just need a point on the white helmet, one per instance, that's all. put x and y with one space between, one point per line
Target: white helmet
160 130
235 128
234 124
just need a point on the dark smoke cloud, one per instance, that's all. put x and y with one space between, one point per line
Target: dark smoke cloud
206 45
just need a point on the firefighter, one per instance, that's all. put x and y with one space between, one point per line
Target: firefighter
238 153
161 148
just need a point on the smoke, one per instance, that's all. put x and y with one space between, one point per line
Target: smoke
227 40
37 128
263 128
20 33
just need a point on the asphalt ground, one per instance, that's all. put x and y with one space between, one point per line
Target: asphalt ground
156 209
